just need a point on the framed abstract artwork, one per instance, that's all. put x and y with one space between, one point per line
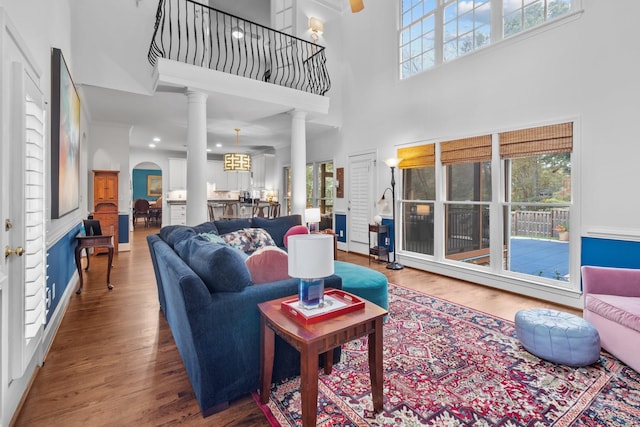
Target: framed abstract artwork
154 185
65 139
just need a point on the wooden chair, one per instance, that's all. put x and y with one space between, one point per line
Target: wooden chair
212 216
141 210
274 210
230 210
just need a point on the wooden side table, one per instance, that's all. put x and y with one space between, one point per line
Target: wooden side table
319 338
86 242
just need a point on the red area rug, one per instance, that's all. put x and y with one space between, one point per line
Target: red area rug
448 365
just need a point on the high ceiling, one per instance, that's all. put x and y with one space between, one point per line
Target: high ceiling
263 126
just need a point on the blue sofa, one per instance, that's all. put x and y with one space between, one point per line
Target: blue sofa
206 294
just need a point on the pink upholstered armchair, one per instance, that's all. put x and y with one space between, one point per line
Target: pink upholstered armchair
612 305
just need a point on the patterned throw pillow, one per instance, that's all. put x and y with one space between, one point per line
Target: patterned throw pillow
248 240
268 264
259 238
238 239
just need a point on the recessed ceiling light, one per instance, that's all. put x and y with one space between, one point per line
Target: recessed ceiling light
156 139
218 145
209 150
152 145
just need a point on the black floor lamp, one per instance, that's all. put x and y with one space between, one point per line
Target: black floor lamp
393 163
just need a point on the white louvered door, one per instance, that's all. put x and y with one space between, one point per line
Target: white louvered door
27 211
360 188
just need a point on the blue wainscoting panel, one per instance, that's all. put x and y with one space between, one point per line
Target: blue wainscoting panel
61 265
610 253
123 228
341 227
389 222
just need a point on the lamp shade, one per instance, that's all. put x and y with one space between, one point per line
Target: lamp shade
310 255
393 162
423 209
316 25
237 162
312 215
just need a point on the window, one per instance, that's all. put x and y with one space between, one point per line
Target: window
417 37
320 191
418 197
436 31
468 195
461 219
538 203
467 26
519 15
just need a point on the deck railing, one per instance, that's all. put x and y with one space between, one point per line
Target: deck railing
196 34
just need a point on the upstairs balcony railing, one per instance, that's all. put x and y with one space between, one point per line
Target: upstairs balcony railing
196 34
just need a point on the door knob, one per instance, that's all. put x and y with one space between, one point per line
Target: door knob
17 251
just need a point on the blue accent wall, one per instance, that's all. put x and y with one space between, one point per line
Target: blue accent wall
139 183
610 253
341 225
61 265
123 228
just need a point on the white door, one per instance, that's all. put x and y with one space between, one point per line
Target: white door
22 269
361 201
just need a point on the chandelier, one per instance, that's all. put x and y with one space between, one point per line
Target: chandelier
237 161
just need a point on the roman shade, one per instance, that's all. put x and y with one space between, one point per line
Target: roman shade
550 139
419 156
466 150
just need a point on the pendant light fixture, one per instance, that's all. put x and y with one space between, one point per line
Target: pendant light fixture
237 161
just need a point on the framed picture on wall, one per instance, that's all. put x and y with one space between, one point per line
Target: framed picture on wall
65 139
154 185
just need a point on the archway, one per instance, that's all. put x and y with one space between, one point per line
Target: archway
146 184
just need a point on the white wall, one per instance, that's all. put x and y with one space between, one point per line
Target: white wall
585 69
109 150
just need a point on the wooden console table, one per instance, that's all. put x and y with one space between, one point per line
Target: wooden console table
319 338
86 242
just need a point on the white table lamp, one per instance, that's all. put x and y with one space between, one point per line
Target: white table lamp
312 216
310 260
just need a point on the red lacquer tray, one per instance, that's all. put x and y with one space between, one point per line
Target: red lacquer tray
336 302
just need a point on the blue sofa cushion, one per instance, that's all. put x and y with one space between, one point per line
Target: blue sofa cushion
221 268
225 226
178 234
277 227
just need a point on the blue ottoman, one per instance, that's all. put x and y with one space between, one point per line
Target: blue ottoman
558 337
363 282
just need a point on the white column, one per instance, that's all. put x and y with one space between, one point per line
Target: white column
298 163
196 157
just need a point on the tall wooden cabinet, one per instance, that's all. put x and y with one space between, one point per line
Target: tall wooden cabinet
105 203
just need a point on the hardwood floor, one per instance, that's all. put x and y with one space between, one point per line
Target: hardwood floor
114 361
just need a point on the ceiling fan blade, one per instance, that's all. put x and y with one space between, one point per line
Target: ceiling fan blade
356 5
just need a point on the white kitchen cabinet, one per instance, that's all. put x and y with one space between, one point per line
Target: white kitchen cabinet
216 175
177 214
177 174
263 166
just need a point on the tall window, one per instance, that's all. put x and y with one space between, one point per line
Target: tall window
468 196
436 31
418 197
538 206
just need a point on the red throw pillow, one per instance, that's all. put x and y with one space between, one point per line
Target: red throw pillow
268 264
296 229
